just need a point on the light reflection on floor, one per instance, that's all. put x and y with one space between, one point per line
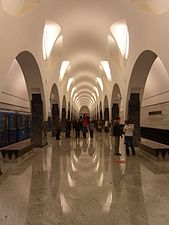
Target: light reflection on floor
81 182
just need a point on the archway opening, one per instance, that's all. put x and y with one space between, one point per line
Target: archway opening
35 90
68 113
141 70
101 112
55 109
84 110
63 113
115 102
106 109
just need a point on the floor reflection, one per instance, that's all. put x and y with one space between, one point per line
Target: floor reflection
81 182
14 198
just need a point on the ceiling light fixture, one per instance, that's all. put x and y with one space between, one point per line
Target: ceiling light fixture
106 67
99 80
63 69
70 81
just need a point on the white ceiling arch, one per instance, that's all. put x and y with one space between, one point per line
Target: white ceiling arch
87 85
84 82
85 102
84 98
83 77
83 90
19 7
157 7
84 95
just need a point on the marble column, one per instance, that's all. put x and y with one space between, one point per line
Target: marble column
68 116
115 111
101 115
0 171
55 117
39 137
97 116
49 128
63 118
106 114
134 115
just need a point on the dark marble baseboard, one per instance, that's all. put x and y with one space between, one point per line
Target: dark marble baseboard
155 134
157 150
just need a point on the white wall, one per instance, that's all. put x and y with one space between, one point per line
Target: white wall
156 97
14 93
146 32
155 121
157 85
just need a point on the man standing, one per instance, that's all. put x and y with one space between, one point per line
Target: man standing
117 133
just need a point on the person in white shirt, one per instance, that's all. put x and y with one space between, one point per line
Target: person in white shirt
128 132
106 126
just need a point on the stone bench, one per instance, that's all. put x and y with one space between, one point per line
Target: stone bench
153 149
17 149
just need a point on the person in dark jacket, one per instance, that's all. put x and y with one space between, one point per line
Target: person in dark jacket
117 133
77 128
68 128
91 128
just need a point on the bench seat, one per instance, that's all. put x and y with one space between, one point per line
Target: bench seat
17 149
154 149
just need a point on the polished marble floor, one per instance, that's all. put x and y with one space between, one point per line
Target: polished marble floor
81 182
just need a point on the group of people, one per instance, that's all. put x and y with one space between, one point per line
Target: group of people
102 125
78 125
58 128
128 131
86 125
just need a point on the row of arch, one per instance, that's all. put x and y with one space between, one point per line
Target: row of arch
136 85
34 83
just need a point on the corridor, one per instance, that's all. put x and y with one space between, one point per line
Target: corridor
81 182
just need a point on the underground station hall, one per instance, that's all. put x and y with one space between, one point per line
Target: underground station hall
84 112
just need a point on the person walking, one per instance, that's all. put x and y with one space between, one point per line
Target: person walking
128 132
117 133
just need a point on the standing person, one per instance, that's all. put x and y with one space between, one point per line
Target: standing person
117 133
106 126
100 126
77 128
91 128
74 122
85 123
128 132
97 125
58 128
0 171
68 128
